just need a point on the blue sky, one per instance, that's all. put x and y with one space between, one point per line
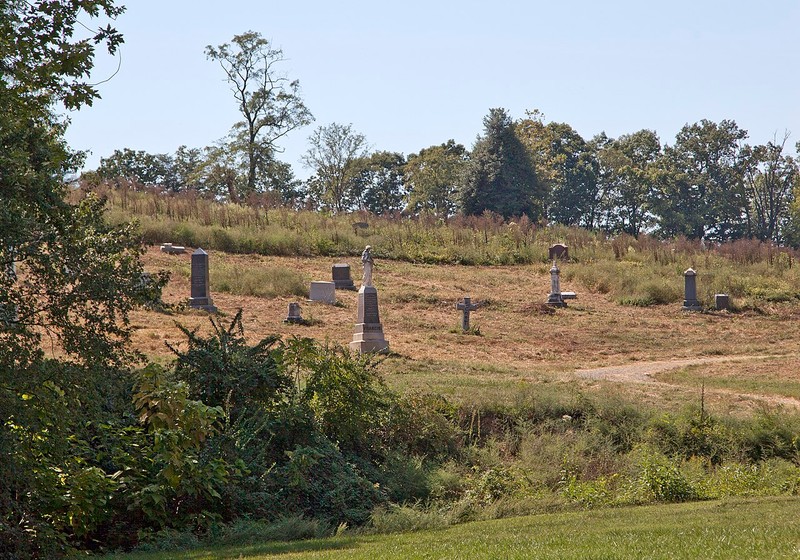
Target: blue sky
412 74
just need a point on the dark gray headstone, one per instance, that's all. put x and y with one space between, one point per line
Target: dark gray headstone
341 277
200 294
558 251
722 302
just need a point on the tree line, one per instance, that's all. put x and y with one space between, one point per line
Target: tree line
709 183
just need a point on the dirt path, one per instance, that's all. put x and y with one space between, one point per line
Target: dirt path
642 372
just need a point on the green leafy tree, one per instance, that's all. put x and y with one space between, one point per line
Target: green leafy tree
769 179
68 281
627 167
500 176
432 178
270 104
700 180
568 168
379 182
333 155
139 167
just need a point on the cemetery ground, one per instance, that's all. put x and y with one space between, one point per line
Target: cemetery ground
595 353
518 348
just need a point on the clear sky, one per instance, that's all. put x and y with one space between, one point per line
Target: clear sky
412 74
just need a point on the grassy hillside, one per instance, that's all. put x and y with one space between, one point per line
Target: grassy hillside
727 530
621 398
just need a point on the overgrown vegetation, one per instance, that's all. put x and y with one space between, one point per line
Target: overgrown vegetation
633 271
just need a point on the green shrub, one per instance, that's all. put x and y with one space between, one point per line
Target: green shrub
664 479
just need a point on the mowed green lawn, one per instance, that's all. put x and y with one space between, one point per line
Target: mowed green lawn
754 528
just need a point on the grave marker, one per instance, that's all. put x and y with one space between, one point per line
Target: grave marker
368 336
201 297
558 251
690 302
466 306
341 277
555 299
322 291
293 314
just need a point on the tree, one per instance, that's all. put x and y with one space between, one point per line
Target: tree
66 276
626 172
333 154
432 178
568 168
140 167
269 102
500 176
378 182
701 191
769 178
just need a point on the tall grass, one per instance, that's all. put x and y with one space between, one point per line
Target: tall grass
633 271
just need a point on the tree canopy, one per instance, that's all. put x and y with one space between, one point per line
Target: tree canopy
500 176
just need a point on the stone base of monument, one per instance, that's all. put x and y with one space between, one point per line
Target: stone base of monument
204 303
368 336
555 300
691 305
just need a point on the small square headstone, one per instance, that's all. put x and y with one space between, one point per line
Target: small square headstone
323 291
722 302
341 277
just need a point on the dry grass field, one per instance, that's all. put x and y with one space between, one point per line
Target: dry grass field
744 360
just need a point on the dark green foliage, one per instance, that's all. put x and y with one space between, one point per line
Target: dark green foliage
500 175
378 183
695 435
222 370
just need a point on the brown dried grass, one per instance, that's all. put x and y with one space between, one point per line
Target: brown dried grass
521 351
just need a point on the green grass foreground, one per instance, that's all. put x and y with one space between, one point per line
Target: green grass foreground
743 528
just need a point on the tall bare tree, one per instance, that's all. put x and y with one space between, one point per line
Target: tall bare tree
269 102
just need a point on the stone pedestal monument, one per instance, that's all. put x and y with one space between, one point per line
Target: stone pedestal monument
690 302
201 297
368 336
555 299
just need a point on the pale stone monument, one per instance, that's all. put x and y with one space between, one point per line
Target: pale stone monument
201 297
366 261
323 291
171 249
368 336
341 277
466 307
690 302
555 299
